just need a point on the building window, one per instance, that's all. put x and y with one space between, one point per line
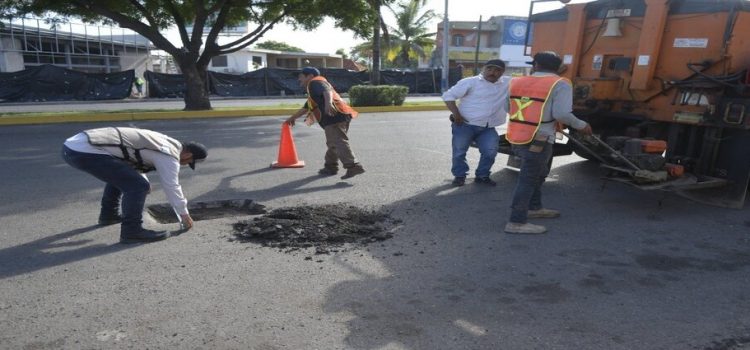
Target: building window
219 61
458 40
287 63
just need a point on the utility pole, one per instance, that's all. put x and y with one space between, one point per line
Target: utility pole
446 42
476 52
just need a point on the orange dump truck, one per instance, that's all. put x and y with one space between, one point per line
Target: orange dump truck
666 83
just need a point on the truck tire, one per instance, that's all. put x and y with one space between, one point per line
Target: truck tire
579 151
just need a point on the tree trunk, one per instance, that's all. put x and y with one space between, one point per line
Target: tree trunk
375 74
196 92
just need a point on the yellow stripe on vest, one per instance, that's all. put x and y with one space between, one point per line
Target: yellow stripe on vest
522 104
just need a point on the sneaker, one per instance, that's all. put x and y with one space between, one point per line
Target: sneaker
143 236
459 181
485 181
543 213
328 171
109 220
525 229
353 171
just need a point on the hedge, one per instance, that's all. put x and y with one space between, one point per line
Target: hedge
377 95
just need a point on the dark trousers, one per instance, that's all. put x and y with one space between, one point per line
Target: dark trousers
122 181
337 142
534 170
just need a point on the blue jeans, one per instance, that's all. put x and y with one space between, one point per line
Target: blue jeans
534 170
487 140
122 181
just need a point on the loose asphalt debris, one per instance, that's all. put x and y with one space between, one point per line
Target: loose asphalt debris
327 228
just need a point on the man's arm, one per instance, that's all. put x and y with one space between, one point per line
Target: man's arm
168 169
456 92
457 117
328 99
562 108
300 112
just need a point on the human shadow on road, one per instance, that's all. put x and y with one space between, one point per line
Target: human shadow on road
225 190
55 250
451 279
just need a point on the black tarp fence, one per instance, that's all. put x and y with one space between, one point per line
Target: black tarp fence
53 83
283 82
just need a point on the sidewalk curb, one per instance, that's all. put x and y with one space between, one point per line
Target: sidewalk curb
131 116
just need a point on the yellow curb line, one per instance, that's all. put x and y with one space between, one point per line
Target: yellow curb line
126 116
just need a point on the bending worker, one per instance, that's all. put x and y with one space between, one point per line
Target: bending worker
333 114
120 157
537 103
483 106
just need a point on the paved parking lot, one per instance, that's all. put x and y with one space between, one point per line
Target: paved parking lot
621 269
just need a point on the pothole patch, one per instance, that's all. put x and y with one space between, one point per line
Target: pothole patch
164 214
327 228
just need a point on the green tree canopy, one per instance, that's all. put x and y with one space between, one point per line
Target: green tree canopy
278 46
206 19
342 53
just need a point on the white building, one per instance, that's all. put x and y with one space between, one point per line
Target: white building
25 43
248 60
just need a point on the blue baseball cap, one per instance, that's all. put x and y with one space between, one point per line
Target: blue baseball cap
311 70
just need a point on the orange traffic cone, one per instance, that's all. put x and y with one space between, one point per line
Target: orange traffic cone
287 150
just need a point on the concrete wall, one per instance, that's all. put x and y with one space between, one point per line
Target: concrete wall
10 61
140 63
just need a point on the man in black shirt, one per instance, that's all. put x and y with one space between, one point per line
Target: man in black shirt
325 106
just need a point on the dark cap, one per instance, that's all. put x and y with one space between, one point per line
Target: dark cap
198 150
547 60
311 70
495 63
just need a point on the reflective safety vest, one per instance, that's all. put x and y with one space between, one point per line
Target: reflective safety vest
528 96
338 103
130 142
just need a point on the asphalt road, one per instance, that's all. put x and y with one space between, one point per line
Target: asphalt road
621 269
176 104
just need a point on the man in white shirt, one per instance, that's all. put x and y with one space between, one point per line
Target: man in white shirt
120 157
483 106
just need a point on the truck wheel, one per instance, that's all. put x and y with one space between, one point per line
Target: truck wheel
583 153
579 151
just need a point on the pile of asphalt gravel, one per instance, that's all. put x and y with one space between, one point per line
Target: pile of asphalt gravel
326 228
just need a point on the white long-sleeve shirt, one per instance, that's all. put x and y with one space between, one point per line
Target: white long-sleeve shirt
166 166
481 103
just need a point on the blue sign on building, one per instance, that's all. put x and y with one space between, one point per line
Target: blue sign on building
515 32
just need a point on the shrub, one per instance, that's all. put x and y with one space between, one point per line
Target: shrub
377 95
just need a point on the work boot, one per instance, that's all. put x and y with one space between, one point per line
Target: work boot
353 171
485 181
106 220
328 171
142 236
524 229
458 181
543 213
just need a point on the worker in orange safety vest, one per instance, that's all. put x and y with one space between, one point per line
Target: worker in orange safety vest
327 108
537 104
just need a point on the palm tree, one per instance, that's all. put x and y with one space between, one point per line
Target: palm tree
378 24
410 39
